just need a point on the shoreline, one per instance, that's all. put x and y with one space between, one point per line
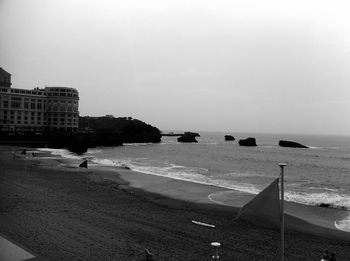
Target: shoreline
212 194
318 220
324 218
63 212
299 217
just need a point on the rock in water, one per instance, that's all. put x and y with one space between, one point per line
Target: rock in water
250 142
229 137
187 137
291 144
194 134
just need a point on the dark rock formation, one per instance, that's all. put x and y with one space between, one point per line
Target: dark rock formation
110 131
188 137
194 134
291 144
77 143
95 131
229 137
250 142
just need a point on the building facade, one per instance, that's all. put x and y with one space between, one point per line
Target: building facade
51 109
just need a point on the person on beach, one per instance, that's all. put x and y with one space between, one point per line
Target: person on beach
325 256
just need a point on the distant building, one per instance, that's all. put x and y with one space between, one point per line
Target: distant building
52 109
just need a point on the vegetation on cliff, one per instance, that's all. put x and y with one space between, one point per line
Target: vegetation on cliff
125 130
110 131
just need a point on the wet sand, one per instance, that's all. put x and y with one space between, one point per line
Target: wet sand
64 213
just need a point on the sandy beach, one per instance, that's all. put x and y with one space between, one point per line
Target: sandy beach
62 212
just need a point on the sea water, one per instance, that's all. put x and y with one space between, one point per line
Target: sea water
314 176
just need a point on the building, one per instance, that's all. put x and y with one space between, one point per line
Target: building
51 109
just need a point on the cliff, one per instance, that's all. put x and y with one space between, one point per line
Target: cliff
95 131
125 130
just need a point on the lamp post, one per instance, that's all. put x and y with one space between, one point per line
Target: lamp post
216 246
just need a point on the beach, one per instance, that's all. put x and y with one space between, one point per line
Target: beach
63 212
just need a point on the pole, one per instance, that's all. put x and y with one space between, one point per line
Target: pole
216 245
282 165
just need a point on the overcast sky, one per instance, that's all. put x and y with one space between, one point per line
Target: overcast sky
252 65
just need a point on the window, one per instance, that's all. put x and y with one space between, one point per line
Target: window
16 102
32 104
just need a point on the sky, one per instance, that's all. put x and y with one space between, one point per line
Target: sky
197 65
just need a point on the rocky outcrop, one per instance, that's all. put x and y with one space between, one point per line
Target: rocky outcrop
291 144
120 130
194 134
250 142
78 144
188 137
94 131
229 138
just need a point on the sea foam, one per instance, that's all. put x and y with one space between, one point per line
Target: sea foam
343 225
202 176
334 200
61 152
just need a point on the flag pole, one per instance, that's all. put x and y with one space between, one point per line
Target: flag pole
282 165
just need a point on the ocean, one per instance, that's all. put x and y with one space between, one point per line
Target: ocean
319 175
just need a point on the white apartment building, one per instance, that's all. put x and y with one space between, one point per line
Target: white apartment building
51 109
